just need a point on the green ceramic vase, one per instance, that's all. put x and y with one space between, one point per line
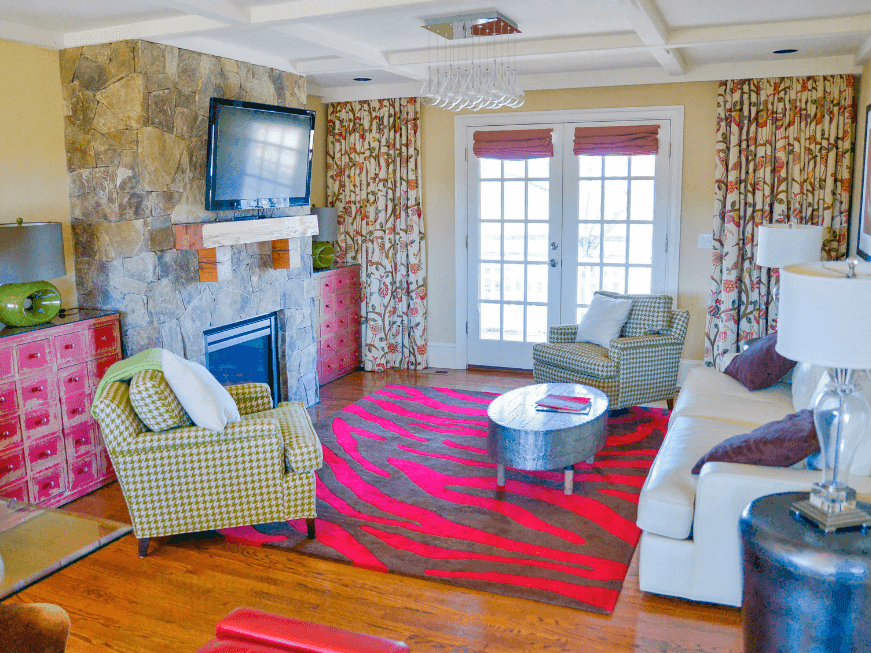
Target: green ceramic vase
323 255
28 304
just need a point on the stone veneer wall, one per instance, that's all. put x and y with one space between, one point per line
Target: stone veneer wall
136 119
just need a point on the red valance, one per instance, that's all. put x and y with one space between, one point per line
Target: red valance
513 144
626 140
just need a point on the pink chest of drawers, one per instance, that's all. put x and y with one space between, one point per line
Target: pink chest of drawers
51 451
337 298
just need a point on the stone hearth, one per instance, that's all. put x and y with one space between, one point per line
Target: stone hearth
136 126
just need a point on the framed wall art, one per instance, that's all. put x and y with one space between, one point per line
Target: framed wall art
863 247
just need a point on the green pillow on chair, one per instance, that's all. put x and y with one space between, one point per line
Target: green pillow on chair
155 403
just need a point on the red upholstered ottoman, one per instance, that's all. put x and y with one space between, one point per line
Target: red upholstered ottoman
252 631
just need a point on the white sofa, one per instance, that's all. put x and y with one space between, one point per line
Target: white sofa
690 545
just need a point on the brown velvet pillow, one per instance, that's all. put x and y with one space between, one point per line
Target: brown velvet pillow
776 444
760 366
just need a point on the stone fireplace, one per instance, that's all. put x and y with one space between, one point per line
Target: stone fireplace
136 125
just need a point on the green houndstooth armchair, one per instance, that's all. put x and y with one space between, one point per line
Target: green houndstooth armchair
641 366
187 479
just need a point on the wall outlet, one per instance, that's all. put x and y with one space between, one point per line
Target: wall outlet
706 241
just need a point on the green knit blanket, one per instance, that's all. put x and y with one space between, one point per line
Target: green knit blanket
124 370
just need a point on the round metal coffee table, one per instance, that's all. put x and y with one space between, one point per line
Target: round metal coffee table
522 437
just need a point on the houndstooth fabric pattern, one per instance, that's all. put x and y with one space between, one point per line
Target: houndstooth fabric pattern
192 479
562 333
155 403
583 357
646 366
302 449
649 313
251 397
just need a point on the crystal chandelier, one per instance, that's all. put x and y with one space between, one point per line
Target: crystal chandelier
480 75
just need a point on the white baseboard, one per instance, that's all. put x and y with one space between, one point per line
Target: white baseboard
443 354
686 364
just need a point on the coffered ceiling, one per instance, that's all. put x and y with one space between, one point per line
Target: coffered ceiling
563 44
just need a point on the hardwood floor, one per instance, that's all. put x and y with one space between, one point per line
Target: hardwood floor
169 602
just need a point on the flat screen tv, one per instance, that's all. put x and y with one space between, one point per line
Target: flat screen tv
259 155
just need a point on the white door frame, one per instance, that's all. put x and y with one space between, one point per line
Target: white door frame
675 114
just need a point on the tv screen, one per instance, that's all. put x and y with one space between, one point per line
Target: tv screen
259 155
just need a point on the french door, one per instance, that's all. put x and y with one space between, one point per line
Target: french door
544 234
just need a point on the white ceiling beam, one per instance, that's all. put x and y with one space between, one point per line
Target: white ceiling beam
230 51
335 44
863 54
30 35
648 23
816 28
220 10
149 30
304 9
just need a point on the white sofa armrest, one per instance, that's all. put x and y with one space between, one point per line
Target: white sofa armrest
723 492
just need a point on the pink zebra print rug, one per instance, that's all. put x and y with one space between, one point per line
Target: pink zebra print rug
407 487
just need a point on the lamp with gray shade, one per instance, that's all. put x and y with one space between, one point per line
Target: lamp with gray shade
825 311
30 252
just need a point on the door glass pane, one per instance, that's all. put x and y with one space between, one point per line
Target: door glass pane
536 323
490 168
614 279
614 249
491 240
641 243
616 195
514 282
536 241
643 165
642 199
589 199
491 200
590 166
515 169
491 281
514 240
588 283
616 166
539 200
490 321
513 321
581 311
536 283
539 168
588 242
639 281
515 200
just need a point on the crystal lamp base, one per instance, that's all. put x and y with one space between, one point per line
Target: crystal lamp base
832 508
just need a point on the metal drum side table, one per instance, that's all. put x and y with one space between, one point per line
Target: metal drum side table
804 591
522 437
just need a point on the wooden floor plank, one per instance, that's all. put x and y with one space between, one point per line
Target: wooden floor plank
170 600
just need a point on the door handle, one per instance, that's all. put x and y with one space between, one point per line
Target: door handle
553 245
552 262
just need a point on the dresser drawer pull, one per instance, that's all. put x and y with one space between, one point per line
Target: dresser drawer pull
82 470
37 388
75 411
40 422
5 434
48 486
2 399
103 339
79 441
9 468
36 355
73 379
43 455
70 346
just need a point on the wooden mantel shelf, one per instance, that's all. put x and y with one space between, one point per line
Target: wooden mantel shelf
212 240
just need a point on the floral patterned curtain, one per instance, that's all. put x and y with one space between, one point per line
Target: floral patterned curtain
784 154
373 178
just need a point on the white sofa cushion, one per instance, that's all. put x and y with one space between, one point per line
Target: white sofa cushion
668 497
709 393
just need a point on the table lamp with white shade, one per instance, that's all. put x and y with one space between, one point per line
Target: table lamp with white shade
825 311
782 244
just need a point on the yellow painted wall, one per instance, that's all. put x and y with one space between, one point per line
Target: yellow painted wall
33 173
319 154
700 105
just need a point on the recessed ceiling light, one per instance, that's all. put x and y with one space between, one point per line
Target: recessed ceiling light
785 51
362 79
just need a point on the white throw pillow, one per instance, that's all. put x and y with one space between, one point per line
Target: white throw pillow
207 402
603 320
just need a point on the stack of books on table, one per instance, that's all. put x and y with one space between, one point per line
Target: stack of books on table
563 404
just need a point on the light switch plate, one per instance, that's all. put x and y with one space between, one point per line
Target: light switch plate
706 241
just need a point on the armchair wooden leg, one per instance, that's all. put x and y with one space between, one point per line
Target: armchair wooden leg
310 523
670 402
143 546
